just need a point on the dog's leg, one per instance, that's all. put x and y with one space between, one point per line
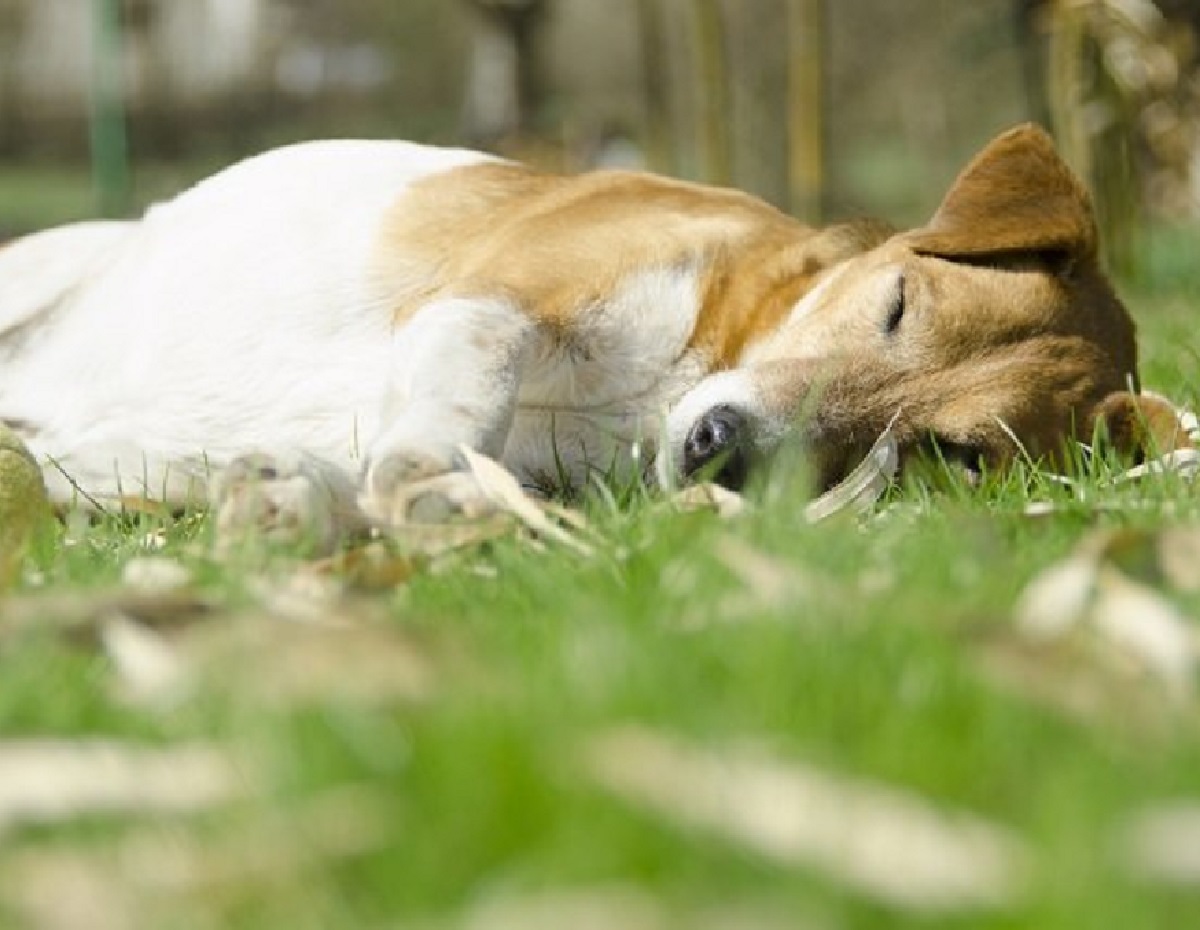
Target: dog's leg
291 498
456 384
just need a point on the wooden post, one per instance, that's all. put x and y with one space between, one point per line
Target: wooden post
1065 85
505 89
714 139
806 108
107 121
657 134
1100 156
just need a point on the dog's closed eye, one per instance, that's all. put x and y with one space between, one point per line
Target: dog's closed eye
895 308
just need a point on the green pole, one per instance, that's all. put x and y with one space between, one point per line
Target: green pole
109 141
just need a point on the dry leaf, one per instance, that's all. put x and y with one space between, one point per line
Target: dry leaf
80 617
1162 844
149 667
435 539
885 843
300 596
155 575
1182 462
151 876
47 781
1179 557
614 908
277 664
597 909
767 583
1057 599
61 892
503 489
708 496
859 490
1087 594
375 566
1138 620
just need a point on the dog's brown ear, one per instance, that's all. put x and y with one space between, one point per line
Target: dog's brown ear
1142 426
1016 196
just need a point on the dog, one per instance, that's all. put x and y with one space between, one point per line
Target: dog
330 322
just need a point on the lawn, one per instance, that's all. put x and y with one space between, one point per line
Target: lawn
908 718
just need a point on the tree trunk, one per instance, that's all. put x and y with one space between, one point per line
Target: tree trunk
505 85
657 134
806 108
712 60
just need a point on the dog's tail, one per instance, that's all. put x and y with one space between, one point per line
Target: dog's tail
38 272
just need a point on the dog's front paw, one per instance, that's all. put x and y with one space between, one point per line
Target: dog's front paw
413 488
277 498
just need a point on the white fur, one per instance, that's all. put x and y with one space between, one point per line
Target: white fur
735 388
239 316
599 401
456 369
244 317
39 271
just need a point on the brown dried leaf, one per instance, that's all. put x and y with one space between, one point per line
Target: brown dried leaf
885 843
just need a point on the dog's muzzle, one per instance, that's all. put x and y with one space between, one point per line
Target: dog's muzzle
715 448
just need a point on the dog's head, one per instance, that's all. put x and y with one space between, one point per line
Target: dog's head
991 332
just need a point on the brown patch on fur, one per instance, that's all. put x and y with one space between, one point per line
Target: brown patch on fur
1017 195
1008 336
558 244
1141 425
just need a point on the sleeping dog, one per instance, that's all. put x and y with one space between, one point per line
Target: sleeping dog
328 323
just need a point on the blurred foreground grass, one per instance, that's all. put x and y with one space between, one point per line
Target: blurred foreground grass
752 723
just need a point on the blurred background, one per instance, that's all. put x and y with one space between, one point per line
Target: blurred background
826 108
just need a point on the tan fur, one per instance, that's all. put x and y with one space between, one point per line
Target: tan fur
1011 340
1144 424
559 244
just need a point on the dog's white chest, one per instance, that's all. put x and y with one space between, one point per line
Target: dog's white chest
595 395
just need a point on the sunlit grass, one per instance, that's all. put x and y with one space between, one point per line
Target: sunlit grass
857 645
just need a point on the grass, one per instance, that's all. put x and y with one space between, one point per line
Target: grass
39 196
439 776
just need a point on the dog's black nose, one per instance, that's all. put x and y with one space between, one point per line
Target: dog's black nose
715 447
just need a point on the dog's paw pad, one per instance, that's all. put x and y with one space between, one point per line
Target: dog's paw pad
276 500
395 471
394 499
